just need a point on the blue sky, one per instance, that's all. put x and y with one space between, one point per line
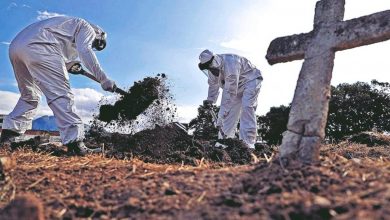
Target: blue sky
149 37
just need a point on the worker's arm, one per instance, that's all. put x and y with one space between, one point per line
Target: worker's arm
213 91
83 39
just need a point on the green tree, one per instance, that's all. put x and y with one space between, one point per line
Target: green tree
273 124
358 107
353 108
203 124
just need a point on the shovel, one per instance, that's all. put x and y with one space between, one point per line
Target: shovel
75 67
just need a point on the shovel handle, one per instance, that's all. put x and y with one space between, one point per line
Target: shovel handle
77 69
120 91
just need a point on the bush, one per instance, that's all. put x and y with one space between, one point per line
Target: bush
358 107
273 124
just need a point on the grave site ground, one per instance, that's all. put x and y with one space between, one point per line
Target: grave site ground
165 173
352 182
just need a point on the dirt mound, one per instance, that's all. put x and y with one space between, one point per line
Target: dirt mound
167 144
370 139
363 145
351 150
170 144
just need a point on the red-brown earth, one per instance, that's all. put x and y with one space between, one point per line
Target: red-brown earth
351 182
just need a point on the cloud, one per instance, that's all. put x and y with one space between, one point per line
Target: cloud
187 112
253 28
5 42
7 101
86 103
15 5
12 5
42 15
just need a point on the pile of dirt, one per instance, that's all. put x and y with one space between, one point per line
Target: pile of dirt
149 106
170 144
363 145
352 150
370 139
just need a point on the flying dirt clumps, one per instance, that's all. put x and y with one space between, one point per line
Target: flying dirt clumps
139 97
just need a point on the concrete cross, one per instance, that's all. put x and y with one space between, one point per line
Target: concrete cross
309 110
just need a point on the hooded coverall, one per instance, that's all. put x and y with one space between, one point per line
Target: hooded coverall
39 55
241 83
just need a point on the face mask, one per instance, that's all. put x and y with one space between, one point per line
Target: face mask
100 42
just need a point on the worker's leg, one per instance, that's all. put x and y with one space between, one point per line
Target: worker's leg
248 122
20 119
50 73
232 111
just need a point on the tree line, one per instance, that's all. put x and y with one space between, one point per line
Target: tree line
353 108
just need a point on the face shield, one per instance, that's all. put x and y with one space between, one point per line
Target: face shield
205 72
207 69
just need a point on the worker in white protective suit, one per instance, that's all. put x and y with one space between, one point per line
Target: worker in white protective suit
241 82
39 55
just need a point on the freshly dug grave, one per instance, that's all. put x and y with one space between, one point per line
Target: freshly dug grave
149 104
164 145
169 144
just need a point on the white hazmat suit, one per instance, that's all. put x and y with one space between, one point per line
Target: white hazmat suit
241 83
39 55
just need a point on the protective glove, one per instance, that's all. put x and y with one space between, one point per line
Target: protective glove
74 67
108 85
207 103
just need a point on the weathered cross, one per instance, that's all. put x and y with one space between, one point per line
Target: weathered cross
308 114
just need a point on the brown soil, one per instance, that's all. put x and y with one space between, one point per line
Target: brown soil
106 188
174 146
370 139
23 207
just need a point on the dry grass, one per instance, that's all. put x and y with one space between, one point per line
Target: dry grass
103 188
